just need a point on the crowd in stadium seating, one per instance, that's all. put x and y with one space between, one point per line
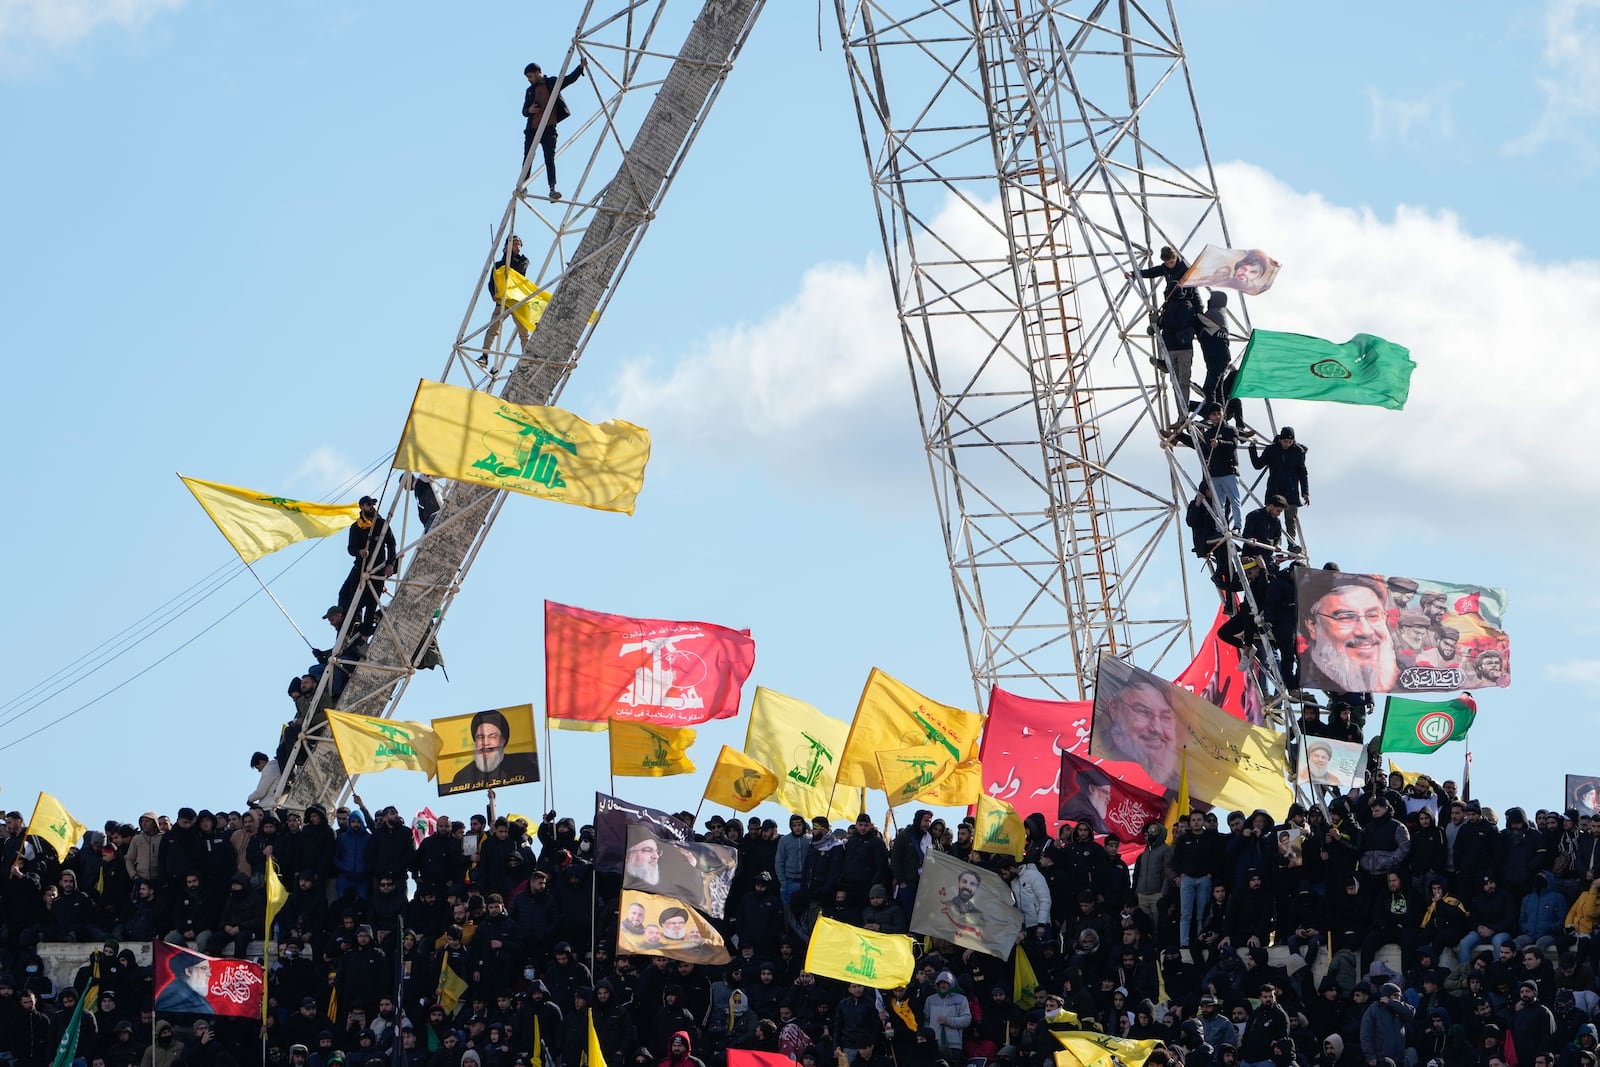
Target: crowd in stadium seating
1389 934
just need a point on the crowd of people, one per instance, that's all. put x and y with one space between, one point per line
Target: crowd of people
1403 925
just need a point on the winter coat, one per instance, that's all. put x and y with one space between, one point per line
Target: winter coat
1544 910
1286 471
789 865
1152 871
1033 896
1383 1029
949 1015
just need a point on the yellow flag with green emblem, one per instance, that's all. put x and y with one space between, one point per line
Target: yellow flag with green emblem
257 524
368 744
999 828
801 746
739 781
1024 982
642 750
909 773
515 289
850 954
468 436
452 987
52 823
892 715
1086 1049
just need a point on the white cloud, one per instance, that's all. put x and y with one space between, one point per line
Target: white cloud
1495 430
27 24
1401 118
325 470
1584 672
1571 85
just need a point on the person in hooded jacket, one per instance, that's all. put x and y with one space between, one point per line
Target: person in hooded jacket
671 1020
1520 853
948 1012
1152 871
680 1052
1543 913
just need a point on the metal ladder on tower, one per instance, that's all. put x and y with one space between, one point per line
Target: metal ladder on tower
593 241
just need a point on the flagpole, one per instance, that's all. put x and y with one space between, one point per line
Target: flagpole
279 603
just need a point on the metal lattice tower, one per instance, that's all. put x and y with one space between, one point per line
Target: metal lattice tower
635 116
1025 154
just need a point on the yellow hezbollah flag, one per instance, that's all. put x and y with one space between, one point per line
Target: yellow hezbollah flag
908 773
1024 983
277 896
801 746
1087 1049
597 1055
452 987
515 289
999 827
850 954
1409 776
1179 808
739 781
891 716
52 823
368 744
642 750
257 524
475 437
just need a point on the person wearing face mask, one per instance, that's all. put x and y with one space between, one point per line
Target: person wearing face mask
166 1052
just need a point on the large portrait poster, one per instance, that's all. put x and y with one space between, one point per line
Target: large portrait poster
489 750
651 925
1583 793
1374 633
698 873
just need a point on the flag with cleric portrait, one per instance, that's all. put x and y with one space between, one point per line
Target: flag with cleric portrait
1374 633
649 924
1142 720
490 749
613 816
692 871
189 982
600 667
1246 270
1025 736
1108 804
1583 794
965 905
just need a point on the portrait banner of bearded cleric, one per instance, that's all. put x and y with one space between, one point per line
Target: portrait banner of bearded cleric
1371 633
700 873
1145 731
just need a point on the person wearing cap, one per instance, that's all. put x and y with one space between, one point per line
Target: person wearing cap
1263 529
1285 463
370 543
1217 444
1533 1025
866 860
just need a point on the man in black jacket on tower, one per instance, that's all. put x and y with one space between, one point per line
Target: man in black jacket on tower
371 546
1285 463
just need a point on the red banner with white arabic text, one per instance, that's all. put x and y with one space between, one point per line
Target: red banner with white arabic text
187 981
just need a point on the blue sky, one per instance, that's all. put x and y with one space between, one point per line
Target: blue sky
237 236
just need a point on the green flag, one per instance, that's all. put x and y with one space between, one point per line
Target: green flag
67 1048
1424 725
1363 370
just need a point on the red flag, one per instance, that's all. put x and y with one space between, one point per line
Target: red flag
743 1057
1093 793
1022 746
189 982
1216 677
600 667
